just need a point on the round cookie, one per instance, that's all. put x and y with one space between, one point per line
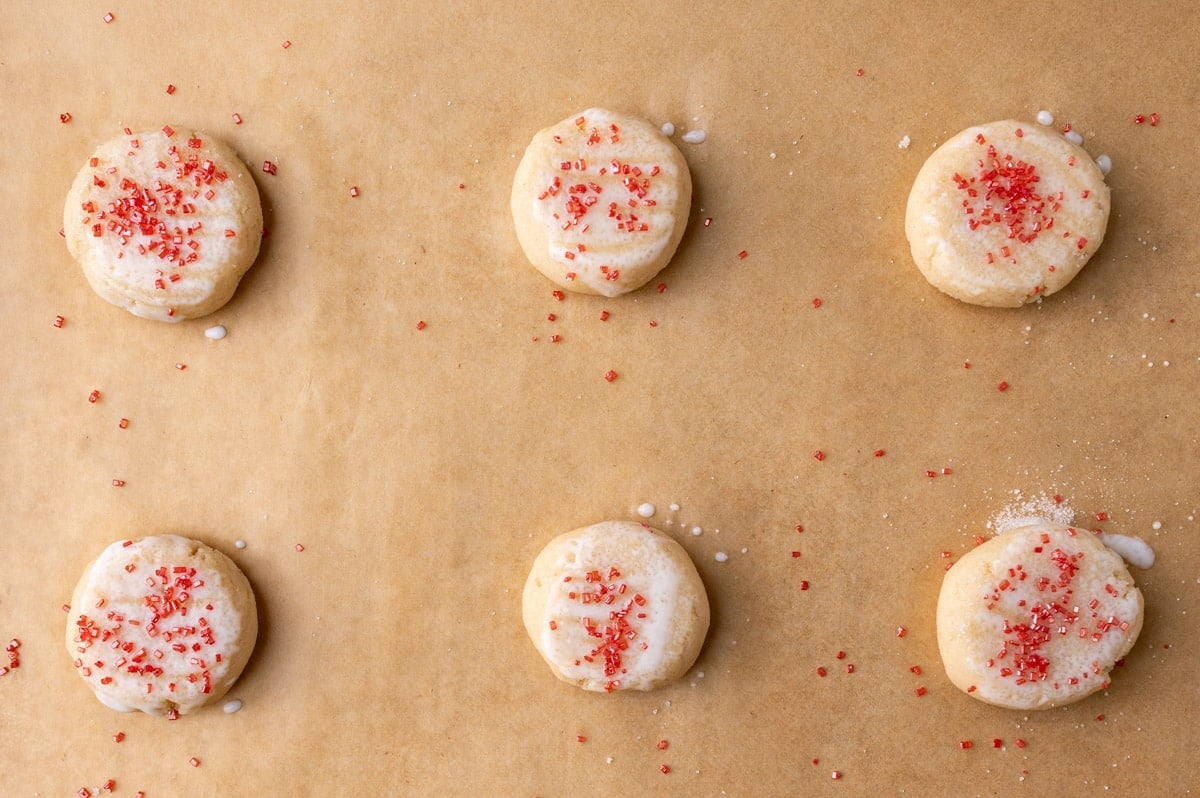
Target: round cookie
600 202
164 223
1006 213
163 625
615 606
1037 617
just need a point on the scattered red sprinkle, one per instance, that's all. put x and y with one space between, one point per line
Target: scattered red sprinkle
119 737
665 768
841 655
1139 119
94 396
816 302
167 130
84 792
555 338
123 423
194 762
799 528
931 474
558 295
1153 120
170 88
804 584
1002 387
552 317
920 691
662 745
901 631
997 742
1020 743
653 323
916 669
816 761
299 547
742 255
819 455
353 191
946 472
604 315
966 364
1020 133
1101 516
880 452
64 118
109 17
965 744
421 325
110 785
269 167
661 287
462 186
287 44
610 375
821 672
859 72
836 775
850 667
118 483
181 366
579 738
795 554
1058 499
237 119
1100 716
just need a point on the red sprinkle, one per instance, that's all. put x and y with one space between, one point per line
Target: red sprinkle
237 119
920 691
118 483
93 396
1153 120
821 672
110 785
269 167
119 737
1139 119
168 131
287 44
1101 516
915 669
662 745
965 744
1020 743
816 302
610 375
181 366
123 423
836 775
353 191
859 72
109 17
742 255
579 738
558 295
804 584
997 742
819 455
661 287
901 631
795 554
604 315
880 452
194 762
170 88
665 768
1002 387
299 547
421 325
64 118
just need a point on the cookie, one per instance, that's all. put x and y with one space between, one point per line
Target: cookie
1006 213
1037 617
600 202
615 606
164 223
163 625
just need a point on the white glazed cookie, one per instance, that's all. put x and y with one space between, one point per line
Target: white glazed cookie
1006 213
1037 617
616 606
163 625
164 223
600 202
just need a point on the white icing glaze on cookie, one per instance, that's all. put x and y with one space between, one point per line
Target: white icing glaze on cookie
163 625
1006 213
600 202
164 223
616 606
1037 617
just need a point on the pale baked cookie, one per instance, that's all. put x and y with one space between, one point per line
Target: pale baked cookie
163 625
1037 617
164 223
615 606
601 201
1006 213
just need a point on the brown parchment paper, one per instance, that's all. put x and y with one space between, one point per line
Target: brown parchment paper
422 470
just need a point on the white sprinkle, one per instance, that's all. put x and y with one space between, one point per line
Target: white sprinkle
1135 550
674 507
904 142
1105 164
216 332
1045 118
1073 137
695 136
721 556
696 531
745 550
1156 525
668 129
232 706
241 544
645 510
608 759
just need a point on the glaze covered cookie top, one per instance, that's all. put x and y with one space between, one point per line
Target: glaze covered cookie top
163 625
164 223
1037 617
600 202
616 606
1006 213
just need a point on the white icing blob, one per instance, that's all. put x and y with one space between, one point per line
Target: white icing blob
721 556
1104 163
215 333
241 544
1045 118
1135 551
668 129
232 706
646 510
695 136
1074 137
